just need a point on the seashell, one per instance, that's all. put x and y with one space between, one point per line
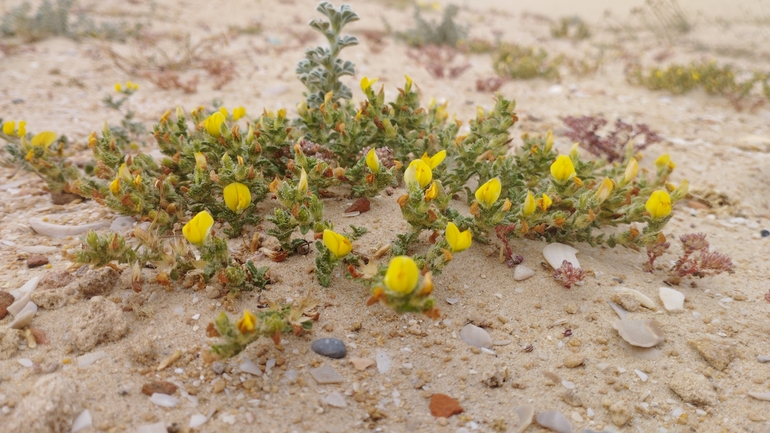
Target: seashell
83 421
640 333
476 336
61 231
164 400
554 420
620 311
522 272
646 353
22 320
526 412
90 358
28 287
557 253
760 395
249 367
673 300
198 420
643 299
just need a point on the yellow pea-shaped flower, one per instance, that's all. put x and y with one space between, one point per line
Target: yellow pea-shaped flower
197 229
659 204
605 189
435 160
488 193
246 323
200 160
302 184
338 244
664 161
366 83
22 129
402 275
214 124
631 170
118 87
432 192
43 139
115 186
237 197
458 240
238 113
529 204
544 202
418 172
373 161
562 169
9 127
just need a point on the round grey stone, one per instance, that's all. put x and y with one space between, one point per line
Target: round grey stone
218 367
331 347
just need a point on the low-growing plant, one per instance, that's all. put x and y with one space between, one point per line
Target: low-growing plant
571 28
447 32
697 260
665 19
612 144
523 63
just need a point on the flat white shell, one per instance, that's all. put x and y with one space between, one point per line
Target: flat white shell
673 300
22 320
554 420
760 395
526 412
555 254
643 299
61 231
476 336
641 333
522 272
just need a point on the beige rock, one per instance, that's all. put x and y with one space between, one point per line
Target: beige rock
574 360
51 407
620 413
717 354
101 322
361 364
9 342
49 299
693 388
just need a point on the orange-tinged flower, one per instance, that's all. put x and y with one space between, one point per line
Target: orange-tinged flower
247 323
338 244
544 202
432 191
115 186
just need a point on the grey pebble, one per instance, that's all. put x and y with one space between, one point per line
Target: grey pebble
218 367
763 358
330 347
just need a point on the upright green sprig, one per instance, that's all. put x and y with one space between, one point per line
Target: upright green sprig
321 69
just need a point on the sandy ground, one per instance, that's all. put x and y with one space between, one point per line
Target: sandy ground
60 84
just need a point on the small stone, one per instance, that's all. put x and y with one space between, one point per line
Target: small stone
764 233
218 367
554 420
49 299
55 280
361 364
159 387
717 354
476 336
383 361
673 300
325 375
330 347
522 272
620 413
626 300
693 388
763 358
36 261
572 398
218 385
642 375
361 205
574 360
98 282
50 407
336 399
101 322
6 299
444 406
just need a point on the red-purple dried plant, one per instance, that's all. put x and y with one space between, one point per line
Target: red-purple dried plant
567 275
502 232
653 252
612 145
697 260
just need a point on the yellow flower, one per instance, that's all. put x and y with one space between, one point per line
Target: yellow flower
372 161
43 139
214 123
246 323
22 128
250 136
224 112
238 113
138 181
124 173
659 204
681 191
544 202
200 160
529 205
408 83
197 229
115 186
573 151
458 240
549 140
605 189
338 244
664 161
432 192
237 197
302 184
631 169
367 83
402 275
419 172
435 160
131 86
488 193
562 169
9 127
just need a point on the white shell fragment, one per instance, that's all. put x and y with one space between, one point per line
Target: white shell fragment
198 420
83 421
526 412
164 400
554 420
643 299
557 253
383 361
90 358
760 395
249 367
22 320
641 333
522 272
335 399
673 300
61 231
476 336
